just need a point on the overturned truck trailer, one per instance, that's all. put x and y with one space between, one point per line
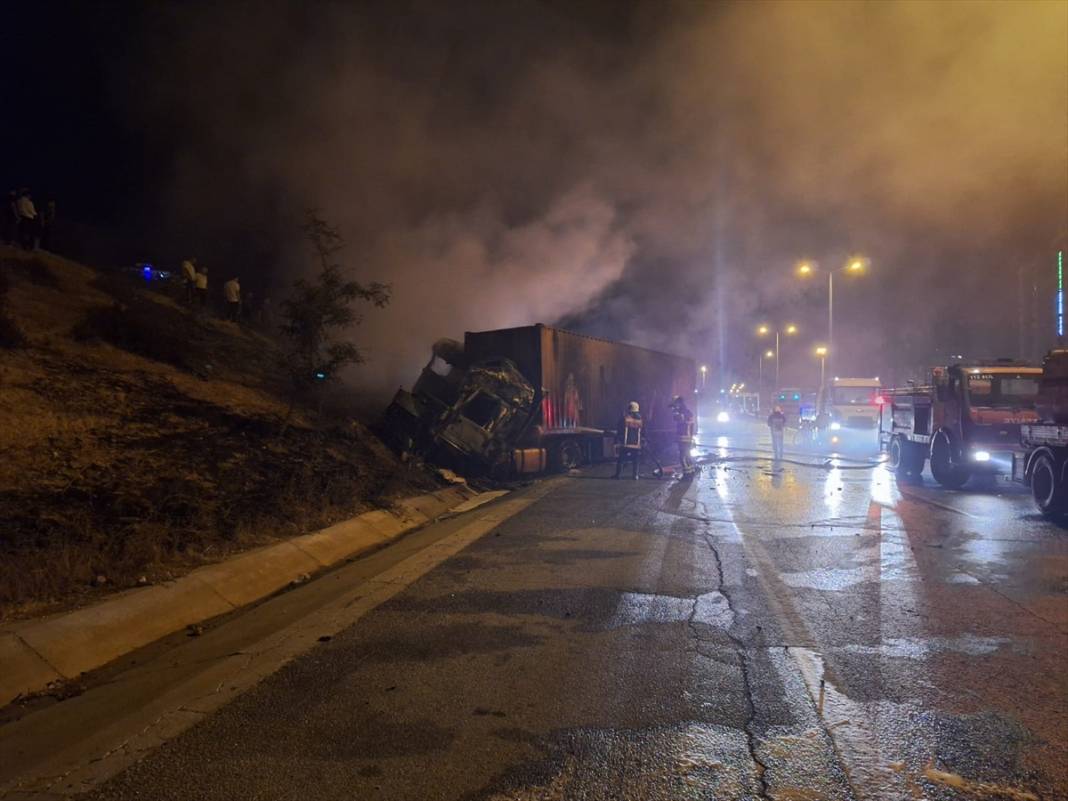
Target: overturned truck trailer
534 398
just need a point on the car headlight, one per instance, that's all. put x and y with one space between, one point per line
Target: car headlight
981 456
836 426
723 417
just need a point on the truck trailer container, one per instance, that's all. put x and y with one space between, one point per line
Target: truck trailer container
563 393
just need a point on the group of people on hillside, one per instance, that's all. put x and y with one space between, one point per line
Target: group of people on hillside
195 280
24 224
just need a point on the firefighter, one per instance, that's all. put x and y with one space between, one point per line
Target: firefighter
629 435
777 424
684 425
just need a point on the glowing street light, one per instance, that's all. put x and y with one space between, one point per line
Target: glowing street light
789 329
855 265
704 375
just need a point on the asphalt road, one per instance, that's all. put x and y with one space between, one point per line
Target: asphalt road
807 632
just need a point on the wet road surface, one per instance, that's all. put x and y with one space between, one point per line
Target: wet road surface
808 632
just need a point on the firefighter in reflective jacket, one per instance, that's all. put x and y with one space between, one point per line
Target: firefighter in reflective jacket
629 435
684 430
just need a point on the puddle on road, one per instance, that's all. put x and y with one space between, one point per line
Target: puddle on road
637 608
895 751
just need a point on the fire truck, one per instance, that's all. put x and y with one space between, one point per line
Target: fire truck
1042 462
966 421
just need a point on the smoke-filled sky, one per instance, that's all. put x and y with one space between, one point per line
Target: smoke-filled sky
648 171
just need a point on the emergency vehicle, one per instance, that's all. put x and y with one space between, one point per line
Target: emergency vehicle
789 399
848 411
967 420
1042 462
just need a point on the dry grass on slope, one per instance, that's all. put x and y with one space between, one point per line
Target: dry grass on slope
138 440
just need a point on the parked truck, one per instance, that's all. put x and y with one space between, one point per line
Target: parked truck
847 413
533 398
966 421
1042 461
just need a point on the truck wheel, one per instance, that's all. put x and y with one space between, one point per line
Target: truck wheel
569 454
898 458
944 471
915 457
1046 488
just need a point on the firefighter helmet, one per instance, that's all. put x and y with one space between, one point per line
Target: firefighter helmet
633 406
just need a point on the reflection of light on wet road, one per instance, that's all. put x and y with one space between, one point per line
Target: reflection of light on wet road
922 648
637 608
721 443
832 491
882 488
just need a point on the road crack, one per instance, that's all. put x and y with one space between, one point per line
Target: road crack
742 653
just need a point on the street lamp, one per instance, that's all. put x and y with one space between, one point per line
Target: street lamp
790 329
822 353
704 375
768 354
855 265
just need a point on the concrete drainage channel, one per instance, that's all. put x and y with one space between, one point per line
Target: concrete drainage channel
35 654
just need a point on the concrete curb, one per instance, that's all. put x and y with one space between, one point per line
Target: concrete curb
35 653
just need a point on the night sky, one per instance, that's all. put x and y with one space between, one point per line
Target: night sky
644 171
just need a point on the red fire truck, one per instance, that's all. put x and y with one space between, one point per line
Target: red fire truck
966 420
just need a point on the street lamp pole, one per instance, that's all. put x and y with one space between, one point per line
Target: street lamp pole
856 264
830 323
822 353
778 360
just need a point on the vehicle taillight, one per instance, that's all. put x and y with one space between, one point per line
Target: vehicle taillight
879 400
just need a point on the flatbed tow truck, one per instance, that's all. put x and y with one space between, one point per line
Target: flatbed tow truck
967 421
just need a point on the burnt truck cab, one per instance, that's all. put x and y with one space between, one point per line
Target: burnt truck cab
967 421
460 414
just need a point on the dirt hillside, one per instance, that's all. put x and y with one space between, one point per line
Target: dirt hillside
139 439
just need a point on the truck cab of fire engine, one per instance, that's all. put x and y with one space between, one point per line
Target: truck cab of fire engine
987 403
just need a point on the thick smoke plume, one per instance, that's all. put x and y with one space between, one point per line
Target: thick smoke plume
645 171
